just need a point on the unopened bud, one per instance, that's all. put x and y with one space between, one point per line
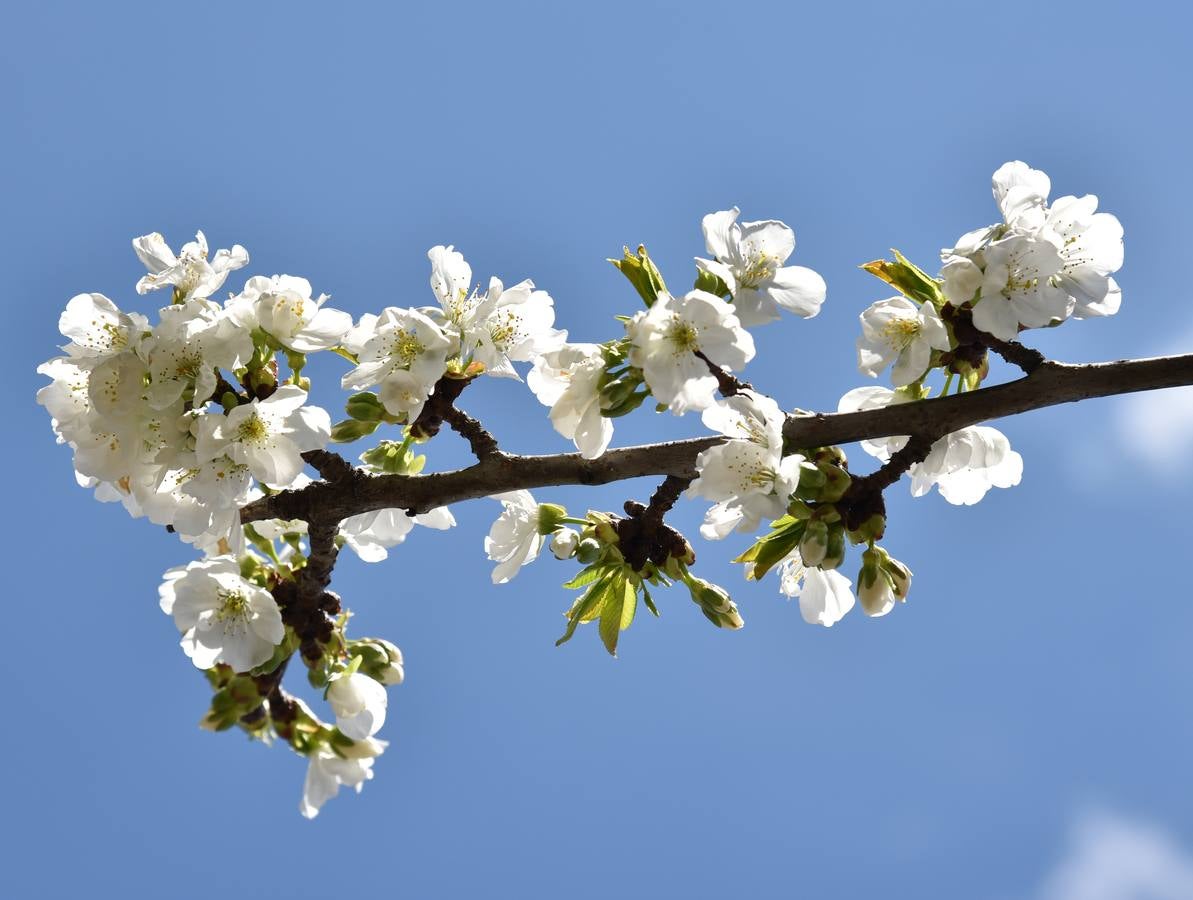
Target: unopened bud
351 430
565 542
813 546
588 550
834 554
365 407
870 530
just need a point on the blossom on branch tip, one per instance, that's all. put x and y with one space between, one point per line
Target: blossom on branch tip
223 618
327 771
899 331
515 538
268 436
569 381
665 339
747 476
359 703
282 307
190 273
824 597
749 259
406 353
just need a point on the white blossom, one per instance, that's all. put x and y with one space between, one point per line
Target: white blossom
1040 265
964 465
510 325
664 341
359 703
189 273
824 597
268 436
747 476
514 540
223 618
406 353
564 543
568 381
283 307
902 332
98 330
371 534
327 771
186 347
749 259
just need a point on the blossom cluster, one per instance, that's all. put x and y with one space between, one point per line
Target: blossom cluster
187 418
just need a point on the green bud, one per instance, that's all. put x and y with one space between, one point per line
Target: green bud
836 482
588 551
834 555
365 407
628 405
551 516
351 430
642 273
813 546
870 530
899 575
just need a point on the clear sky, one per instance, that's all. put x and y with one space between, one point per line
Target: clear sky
1026 712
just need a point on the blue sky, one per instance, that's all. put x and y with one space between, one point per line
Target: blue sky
955 748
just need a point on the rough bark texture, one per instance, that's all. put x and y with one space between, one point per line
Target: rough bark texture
345 493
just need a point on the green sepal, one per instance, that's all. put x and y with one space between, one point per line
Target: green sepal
908 279
642 274
714 284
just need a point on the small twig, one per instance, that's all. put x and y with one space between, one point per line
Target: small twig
434 412
330 465
727 383
1026 358
483 443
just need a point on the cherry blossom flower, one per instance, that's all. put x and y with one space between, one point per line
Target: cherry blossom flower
665 339
327 770
824 597
282 306
749 260
359 703
405 353
268 436
568 380
515 538
189 273
902 332
223 618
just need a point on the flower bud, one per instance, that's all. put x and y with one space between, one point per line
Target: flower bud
870 530
564 543
834 554
588 550
874 589
365 407
837 482
813 546
351 430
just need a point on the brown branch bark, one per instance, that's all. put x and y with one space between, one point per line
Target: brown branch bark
1049 384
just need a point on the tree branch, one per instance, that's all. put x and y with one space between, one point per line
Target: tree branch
1050 384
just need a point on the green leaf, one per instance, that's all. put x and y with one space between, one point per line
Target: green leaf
588 607
585 576
646 598
611 613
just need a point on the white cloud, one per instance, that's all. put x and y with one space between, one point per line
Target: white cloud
1113 858
1156 427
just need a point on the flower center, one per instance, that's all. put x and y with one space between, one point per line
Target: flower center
407 347
233 612
901 332
253 430
683 336
759 268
